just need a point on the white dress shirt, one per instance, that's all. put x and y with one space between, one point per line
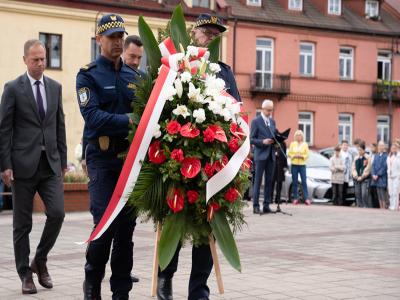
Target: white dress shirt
266 120
41 88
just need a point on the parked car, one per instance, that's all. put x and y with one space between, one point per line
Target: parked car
328 152
71 167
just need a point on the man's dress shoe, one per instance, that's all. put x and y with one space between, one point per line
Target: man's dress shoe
267 210
91 291
28 287
164 288
134 278
257 211
43 275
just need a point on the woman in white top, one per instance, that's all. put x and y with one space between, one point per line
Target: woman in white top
393 166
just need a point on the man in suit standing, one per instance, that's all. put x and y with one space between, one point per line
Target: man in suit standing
33 153
264 155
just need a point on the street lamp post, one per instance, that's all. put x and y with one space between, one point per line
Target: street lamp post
397 53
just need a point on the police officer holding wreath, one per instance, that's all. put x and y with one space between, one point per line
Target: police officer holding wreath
105 90
207 28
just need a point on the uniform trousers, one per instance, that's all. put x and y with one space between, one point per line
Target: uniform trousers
394 185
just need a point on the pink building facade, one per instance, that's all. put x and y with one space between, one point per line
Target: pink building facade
328 76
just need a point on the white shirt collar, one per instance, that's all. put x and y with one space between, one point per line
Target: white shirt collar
264 117
33 80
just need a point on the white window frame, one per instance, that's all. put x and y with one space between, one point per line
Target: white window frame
346 124
332 12
305 123
258 111
294 7
306 54
384 60
254 2
381 128
346 57
374 3
266 49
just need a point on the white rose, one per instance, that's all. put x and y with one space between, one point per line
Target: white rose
192 51
200 115
215 68
178 87
170 93
186 77
181 110
157 132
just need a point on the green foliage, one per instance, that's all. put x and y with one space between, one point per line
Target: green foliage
213 47
150 44
178 29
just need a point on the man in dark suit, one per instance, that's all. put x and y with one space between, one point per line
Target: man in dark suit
33 153
264 155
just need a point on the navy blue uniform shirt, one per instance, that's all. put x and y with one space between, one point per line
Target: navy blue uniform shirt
105 96
230 82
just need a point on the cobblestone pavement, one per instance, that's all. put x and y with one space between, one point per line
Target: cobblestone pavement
321 252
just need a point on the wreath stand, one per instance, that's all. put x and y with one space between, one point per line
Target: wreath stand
155 263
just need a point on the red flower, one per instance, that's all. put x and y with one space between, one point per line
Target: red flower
188 131
209 135
219 133
155 154
234 145
192 196
173 127
246 164
177 155
237 131
209 170
213 207
176 201
231 195
191 167
218 166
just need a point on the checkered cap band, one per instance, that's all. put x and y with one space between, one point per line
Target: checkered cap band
114 24
203 22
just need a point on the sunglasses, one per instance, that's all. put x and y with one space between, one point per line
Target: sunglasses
209 33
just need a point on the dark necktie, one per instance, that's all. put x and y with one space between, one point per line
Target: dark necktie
39 100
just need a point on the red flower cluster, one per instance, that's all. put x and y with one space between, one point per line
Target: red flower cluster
191 167
155 154
188 131
192 196
209 170
209 135
173 127
177 155
234 145
213 207
218 166
237 131
177 201
231 195
219 133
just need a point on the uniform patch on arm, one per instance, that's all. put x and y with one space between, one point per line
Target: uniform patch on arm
84 96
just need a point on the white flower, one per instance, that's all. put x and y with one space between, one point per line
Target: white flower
179 56
157 132
170 93
178 87
215 68
215 107
203 66
181 110
186 77
193 92
192 51
220 83
200 115
226 114
215 83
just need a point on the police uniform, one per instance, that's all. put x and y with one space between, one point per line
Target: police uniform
104 97
202 262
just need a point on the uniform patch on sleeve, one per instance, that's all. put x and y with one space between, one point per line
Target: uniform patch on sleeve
84 96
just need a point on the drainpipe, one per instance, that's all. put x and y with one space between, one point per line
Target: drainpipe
234 48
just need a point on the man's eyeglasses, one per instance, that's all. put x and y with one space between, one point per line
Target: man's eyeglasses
209 33
269 110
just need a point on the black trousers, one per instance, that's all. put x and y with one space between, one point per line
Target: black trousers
278 185
337 194
50 189
344 192
374 197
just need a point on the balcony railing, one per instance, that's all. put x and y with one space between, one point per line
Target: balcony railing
270 83
380 92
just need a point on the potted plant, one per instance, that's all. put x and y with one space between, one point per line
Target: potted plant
367 16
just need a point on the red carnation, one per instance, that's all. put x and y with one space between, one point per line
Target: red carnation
155 154
218 166
213 207
209 170
219 133
173 127
176 201
192 196
209 135
231 195
191 167
234 145
237 131
177 155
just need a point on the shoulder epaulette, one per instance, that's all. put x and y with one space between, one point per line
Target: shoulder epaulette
88 66
133 69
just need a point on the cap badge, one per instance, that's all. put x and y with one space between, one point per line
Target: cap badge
214 19
114 18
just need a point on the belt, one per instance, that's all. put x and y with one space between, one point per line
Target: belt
114 142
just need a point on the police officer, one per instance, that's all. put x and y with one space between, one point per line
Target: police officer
207 28
105 90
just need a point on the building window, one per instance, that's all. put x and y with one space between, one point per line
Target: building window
306 125
254 2
383 129
296 4
264 63
334 7
345 128
384 65
95 49
306 59
258 112
201 3
144 63
372 8
346 63
52 42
